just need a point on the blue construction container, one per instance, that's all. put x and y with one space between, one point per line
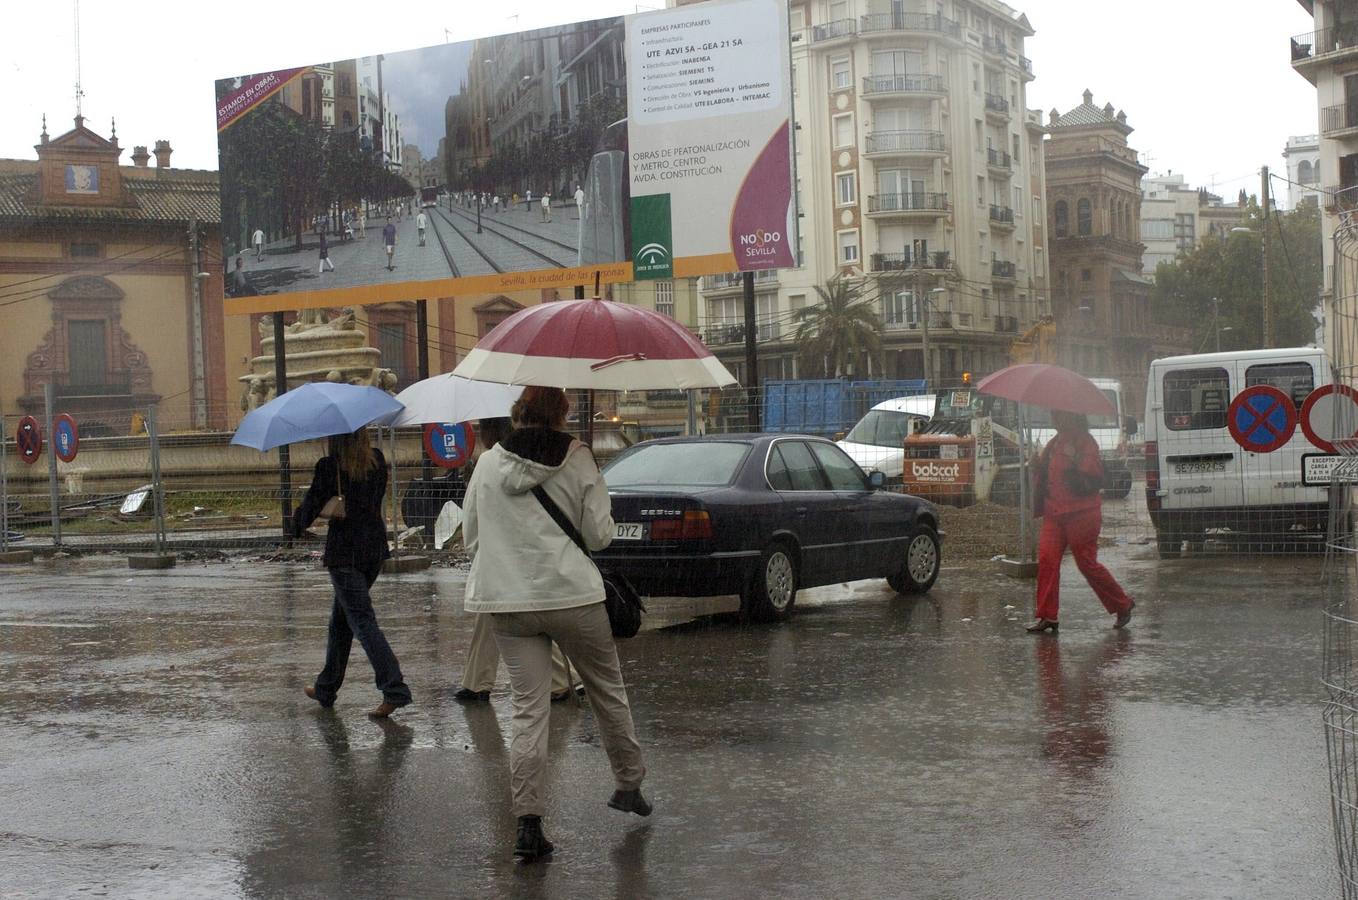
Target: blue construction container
827 406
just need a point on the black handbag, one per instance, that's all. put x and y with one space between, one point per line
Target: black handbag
621 600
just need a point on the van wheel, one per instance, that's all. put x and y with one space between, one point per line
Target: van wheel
1195 542
1168 543
919 569
772 588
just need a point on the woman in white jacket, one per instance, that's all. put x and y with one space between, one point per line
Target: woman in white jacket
539 587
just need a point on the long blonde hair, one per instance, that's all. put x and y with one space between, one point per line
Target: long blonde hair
353 454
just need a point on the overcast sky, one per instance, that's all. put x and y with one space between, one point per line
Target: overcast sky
1207 84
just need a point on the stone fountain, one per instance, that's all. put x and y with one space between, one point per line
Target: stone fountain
317 350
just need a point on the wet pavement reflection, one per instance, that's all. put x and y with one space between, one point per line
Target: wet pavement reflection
157 743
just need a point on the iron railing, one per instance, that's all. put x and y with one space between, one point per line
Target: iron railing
910 21
1001 215
895 262
1315 44
905 142
914 202
1001 268
996 103
998 159
904 84
831 30
1339 117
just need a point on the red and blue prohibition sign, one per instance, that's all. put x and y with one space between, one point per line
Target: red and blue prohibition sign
448 445
1261 418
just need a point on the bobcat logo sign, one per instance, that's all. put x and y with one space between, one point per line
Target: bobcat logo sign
932 471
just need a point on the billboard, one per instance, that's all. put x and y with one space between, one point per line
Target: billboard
655 145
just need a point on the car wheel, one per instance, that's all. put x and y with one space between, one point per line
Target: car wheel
772 588
1168 543
919 569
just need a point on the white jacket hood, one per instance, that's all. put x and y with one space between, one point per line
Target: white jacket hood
521 559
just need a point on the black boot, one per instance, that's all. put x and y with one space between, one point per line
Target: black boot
532 843
630 801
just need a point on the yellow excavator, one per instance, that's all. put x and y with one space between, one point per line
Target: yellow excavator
1036 345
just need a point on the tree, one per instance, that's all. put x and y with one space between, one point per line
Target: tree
1215 289
835 333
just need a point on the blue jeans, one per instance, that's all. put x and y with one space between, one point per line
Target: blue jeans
352 614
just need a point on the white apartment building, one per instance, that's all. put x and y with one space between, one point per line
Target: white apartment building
1175 218
1301 157
918 159
1328 58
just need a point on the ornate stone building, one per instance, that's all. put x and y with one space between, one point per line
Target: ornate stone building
100 292
1100 299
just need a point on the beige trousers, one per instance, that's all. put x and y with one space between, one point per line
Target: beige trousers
483 661
583 632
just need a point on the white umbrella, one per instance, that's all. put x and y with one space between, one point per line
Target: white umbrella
451 398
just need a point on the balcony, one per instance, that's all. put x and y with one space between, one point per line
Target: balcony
1003 270
904 143
891 87
1329 45
999 160
907 206
735 281
911 323
1006 325
997 107
719 335
1339 120
1341 198
1001 216
1026 66
898 262
833 31
995 46
919 23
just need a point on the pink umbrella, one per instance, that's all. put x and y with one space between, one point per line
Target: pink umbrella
593 344
1053 387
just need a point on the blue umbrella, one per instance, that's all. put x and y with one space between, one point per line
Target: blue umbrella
315 410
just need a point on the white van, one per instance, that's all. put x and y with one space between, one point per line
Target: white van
1112 433
878 440
1198 479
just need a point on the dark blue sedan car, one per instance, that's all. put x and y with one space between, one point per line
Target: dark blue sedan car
761 516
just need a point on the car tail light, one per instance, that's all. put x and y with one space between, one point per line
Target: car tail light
1152 466
1152 452
695 525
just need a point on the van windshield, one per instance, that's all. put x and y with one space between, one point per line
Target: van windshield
881 428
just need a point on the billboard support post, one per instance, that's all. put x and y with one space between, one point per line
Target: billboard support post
422 361
48 395
751 354
280 376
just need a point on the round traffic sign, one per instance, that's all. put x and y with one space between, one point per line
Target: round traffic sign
449 445
65 438
1329 414
1261 418
29 439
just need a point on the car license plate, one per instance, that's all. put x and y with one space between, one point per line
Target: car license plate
1190 468
629 531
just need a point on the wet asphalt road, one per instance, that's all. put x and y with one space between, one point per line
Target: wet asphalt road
156 743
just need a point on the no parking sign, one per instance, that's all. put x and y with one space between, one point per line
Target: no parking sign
28 439
1261 418
449 445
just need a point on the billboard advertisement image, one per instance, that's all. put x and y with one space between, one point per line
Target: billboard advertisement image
656 145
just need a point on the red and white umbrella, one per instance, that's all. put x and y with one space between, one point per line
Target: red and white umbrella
594 344
1051 386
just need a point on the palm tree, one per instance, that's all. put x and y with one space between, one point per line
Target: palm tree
837 331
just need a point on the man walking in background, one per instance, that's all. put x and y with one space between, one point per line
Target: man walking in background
546 207
259 244
389 238
420 222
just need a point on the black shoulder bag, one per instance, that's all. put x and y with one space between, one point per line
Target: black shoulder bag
621 600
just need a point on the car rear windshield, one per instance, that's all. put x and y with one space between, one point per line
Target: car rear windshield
880 428
700 463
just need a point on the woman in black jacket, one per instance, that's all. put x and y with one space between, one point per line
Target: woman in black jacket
354 550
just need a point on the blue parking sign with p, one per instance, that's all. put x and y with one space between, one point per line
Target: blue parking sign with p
449 445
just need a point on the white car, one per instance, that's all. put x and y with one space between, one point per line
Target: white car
878 440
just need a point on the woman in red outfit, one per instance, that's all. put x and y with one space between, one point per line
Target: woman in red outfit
1069 478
